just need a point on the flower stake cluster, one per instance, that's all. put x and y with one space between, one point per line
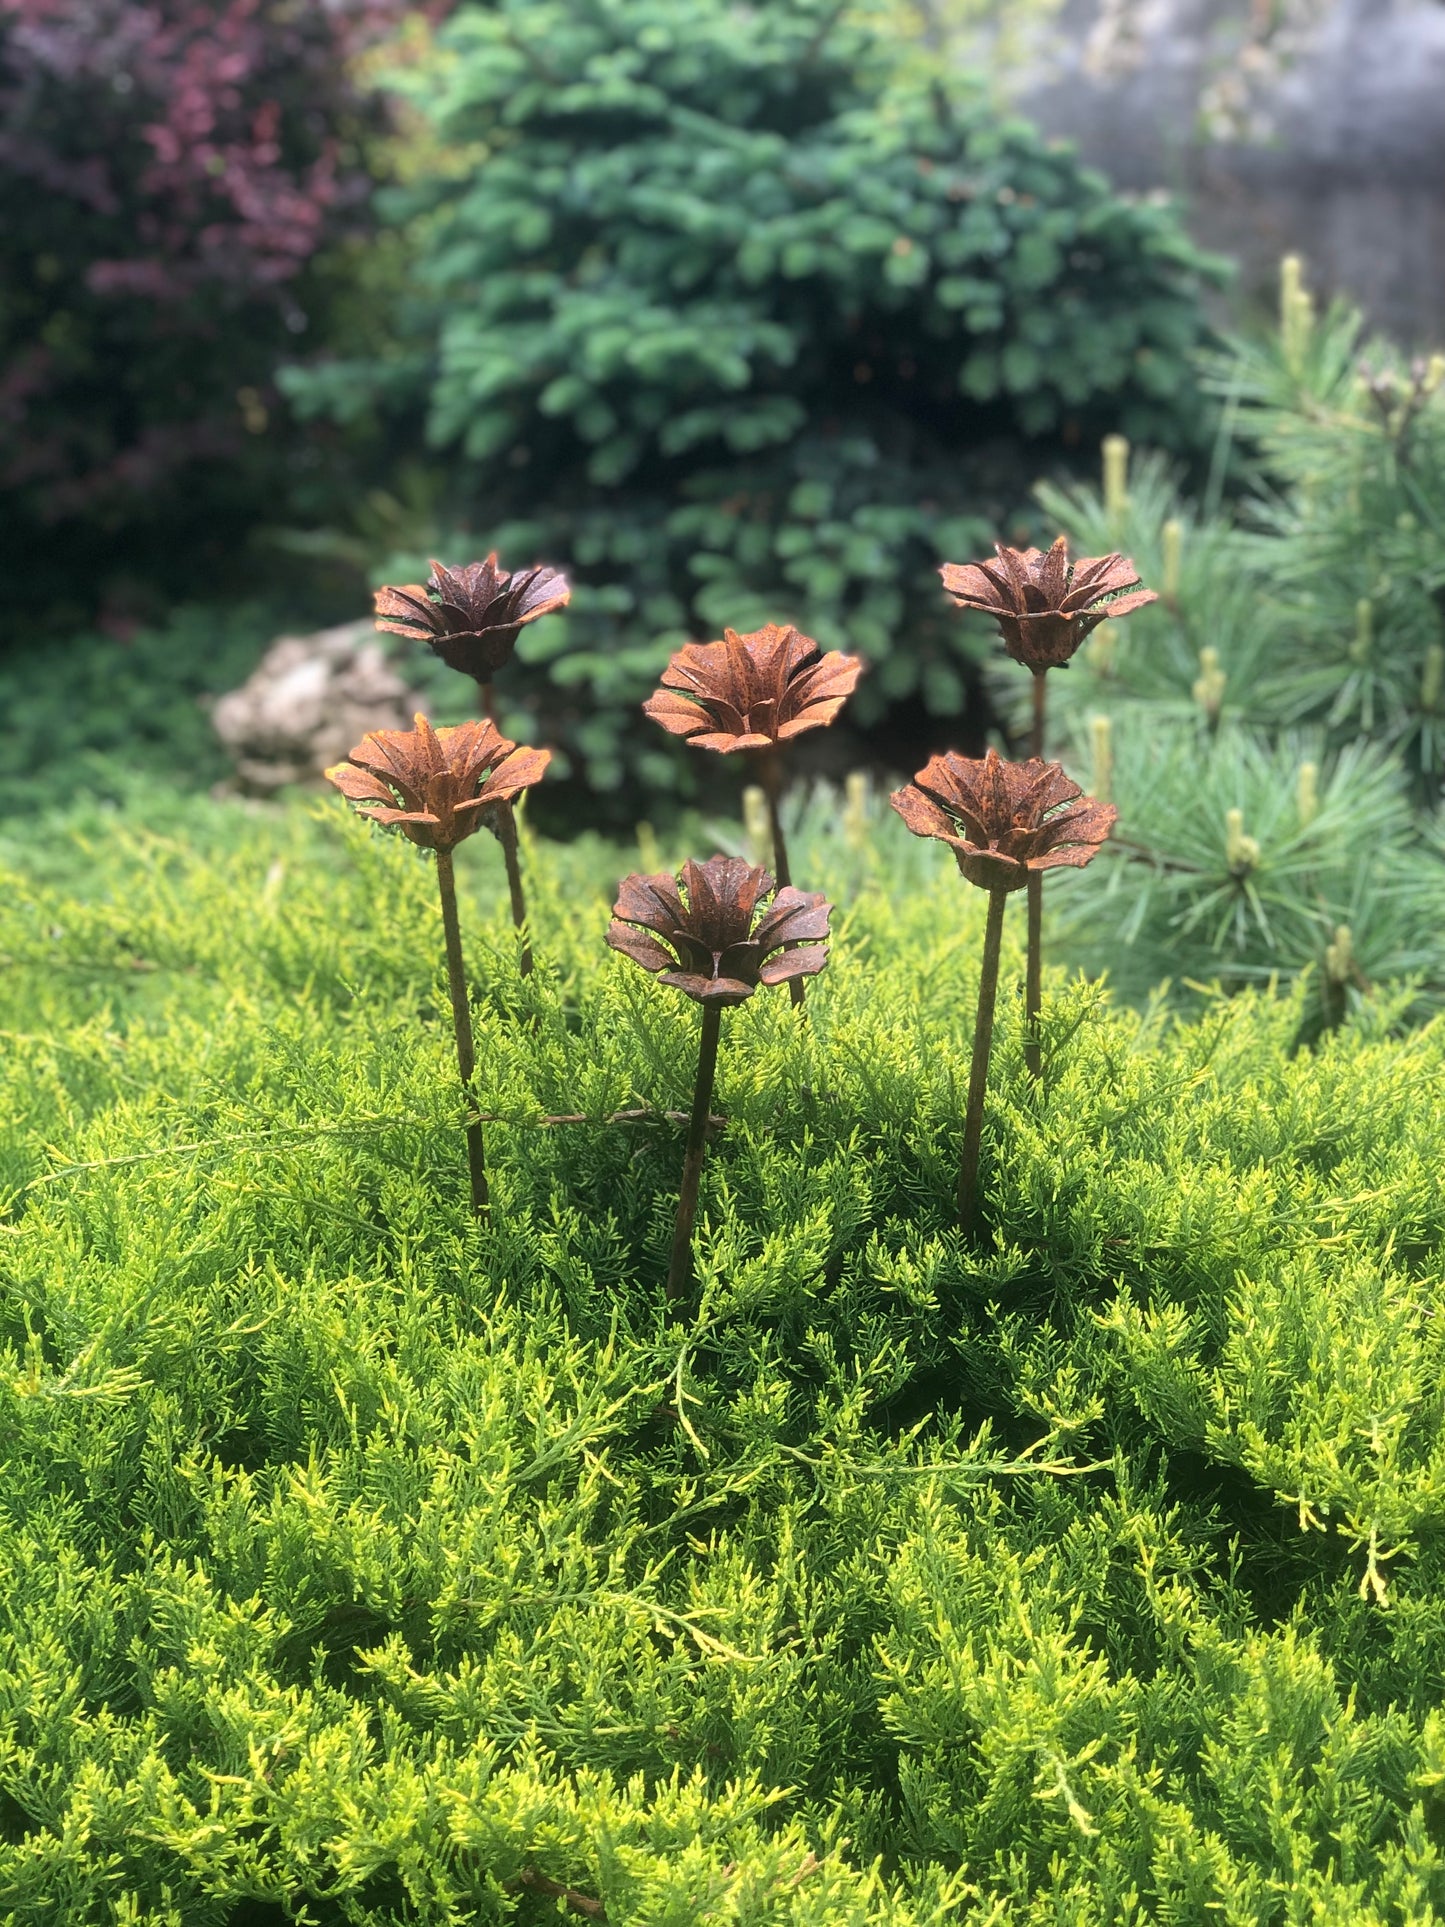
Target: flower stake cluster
1045 607
755 693
701 933
437 787
1006 823
721 929
471 618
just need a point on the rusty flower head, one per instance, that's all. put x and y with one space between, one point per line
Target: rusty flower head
471 616
435 785
1044 604
1003 820
751 692
711 948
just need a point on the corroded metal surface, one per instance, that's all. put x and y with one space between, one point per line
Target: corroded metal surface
1044 604
436 786
471 616
752 691
1004 820
701 932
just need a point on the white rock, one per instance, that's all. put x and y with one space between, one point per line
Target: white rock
307 702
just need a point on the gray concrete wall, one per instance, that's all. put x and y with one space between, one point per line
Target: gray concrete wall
1317 127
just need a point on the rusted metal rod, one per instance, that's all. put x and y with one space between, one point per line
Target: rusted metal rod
679 1264
462 1022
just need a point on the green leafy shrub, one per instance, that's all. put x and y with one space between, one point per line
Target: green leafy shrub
361 1561
731 315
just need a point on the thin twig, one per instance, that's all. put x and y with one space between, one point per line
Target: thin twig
1021 1467
538 1883
304 1132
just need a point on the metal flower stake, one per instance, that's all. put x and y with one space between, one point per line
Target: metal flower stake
701 933
1045 606
1006 823
755 693
471 618
438 787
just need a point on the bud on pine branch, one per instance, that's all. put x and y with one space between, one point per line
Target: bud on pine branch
1307 793
1209 688
1241 852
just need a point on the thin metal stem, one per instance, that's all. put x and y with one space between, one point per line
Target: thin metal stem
1034 965
507 837
1036 738
679 1267
462 1021
978 1075
771 772
1034 976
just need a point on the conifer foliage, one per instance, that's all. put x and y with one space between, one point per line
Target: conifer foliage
720 303
1271 728
365 1564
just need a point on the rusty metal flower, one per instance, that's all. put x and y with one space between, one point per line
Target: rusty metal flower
471 616
718 954
1044 604
753 691
1004 820
436 785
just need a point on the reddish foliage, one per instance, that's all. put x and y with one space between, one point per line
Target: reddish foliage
167 173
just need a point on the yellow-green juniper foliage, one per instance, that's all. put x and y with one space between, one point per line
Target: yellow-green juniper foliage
359 1564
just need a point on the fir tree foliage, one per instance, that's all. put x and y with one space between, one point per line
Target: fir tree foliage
1270 728
364 1565
718 313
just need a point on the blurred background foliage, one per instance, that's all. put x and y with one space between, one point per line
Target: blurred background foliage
734 312
182 188
1271 728
741 315
738 313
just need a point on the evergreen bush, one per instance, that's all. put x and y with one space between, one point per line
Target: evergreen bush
735 317
366 1565
1271 727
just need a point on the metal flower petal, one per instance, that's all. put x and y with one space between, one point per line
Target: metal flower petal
701 931
436 785
471 616
752 691
1003 819
1045 605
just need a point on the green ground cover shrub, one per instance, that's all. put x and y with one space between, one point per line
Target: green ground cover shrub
739 319
96 714
363 1565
